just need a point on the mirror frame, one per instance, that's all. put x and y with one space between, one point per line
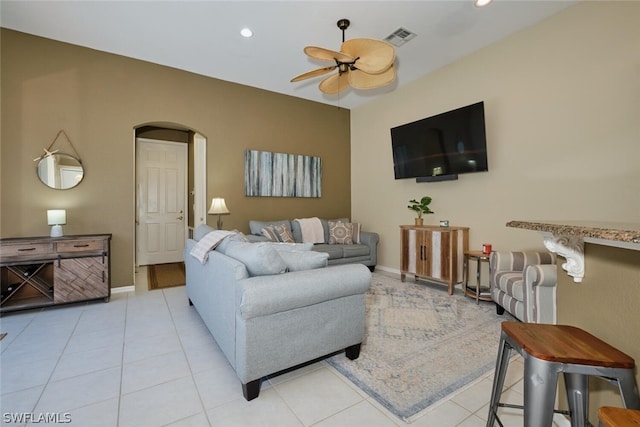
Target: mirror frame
63 173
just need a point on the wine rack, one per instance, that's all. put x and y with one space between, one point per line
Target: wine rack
43 271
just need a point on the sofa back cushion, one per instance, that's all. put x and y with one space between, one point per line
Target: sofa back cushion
201 231
261 259
304 260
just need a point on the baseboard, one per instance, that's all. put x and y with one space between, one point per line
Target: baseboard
121 289
388 269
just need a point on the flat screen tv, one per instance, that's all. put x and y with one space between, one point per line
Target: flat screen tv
441 147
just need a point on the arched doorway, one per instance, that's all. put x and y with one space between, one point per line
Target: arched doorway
173 135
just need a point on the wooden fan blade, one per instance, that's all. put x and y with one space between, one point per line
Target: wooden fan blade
374 56
327 54
360 80
334 84
313 73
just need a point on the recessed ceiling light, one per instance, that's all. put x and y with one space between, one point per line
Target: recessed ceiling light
246 32
482 3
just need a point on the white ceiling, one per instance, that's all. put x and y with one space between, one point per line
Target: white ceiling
204 36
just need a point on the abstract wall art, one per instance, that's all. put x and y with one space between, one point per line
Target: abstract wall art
270 174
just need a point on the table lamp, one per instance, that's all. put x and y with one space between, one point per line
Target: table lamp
218 207
56 218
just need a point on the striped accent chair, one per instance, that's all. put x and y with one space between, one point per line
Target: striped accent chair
524 284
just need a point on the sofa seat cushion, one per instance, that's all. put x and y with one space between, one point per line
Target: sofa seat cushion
334 251
351 251
511 282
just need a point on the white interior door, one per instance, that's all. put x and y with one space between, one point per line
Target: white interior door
161 169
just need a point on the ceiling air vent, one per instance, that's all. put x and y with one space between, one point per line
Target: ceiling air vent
400 37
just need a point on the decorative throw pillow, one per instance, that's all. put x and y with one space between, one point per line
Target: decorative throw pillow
356 232
284 235
340 233
270 233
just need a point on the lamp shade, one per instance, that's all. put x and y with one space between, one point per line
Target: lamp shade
218 207
56 216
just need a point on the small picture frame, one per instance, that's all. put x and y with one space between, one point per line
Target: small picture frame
444 223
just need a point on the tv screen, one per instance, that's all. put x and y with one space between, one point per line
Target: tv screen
447 144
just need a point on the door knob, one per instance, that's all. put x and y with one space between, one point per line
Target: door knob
180 218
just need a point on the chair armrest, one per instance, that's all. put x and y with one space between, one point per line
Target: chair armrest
540 303
540 275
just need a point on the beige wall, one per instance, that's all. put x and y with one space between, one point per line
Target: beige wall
605 303
99 99
562 105
562 114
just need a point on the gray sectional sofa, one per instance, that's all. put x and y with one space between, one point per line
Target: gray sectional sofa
365 251
273 306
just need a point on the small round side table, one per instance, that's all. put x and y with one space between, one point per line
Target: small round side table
478 293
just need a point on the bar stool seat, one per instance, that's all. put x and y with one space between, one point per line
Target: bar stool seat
618 417
552 349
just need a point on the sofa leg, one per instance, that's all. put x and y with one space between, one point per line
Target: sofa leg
190 303
499 309
353 351
251 390
371 268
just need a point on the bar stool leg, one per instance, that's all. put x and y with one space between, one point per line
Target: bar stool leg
502 362
577 386
540 383
628 389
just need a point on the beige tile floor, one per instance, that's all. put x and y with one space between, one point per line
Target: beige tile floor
146 359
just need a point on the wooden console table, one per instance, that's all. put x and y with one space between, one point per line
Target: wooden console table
434 253
43 271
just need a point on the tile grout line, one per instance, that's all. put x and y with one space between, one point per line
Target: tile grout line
58 359
184 352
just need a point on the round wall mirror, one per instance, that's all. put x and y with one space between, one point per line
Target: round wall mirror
60 171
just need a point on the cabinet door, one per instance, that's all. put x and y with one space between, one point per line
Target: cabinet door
423 253
78 279
416 252
440 259
410 251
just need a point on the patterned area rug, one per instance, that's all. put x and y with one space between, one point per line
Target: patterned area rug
421 344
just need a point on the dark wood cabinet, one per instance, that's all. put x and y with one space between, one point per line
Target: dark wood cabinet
434 253
42 271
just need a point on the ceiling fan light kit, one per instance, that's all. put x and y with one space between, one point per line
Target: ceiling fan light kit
361 63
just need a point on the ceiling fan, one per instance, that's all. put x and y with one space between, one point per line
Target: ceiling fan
361 63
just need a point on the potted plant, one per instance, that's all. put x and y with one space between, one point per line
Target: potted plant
420 207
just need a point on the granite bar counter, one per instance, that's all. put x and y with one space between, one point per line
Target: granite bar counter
567 238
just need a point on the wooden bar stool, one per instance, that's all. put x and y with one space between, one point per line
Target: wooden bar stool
618 417
549 350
